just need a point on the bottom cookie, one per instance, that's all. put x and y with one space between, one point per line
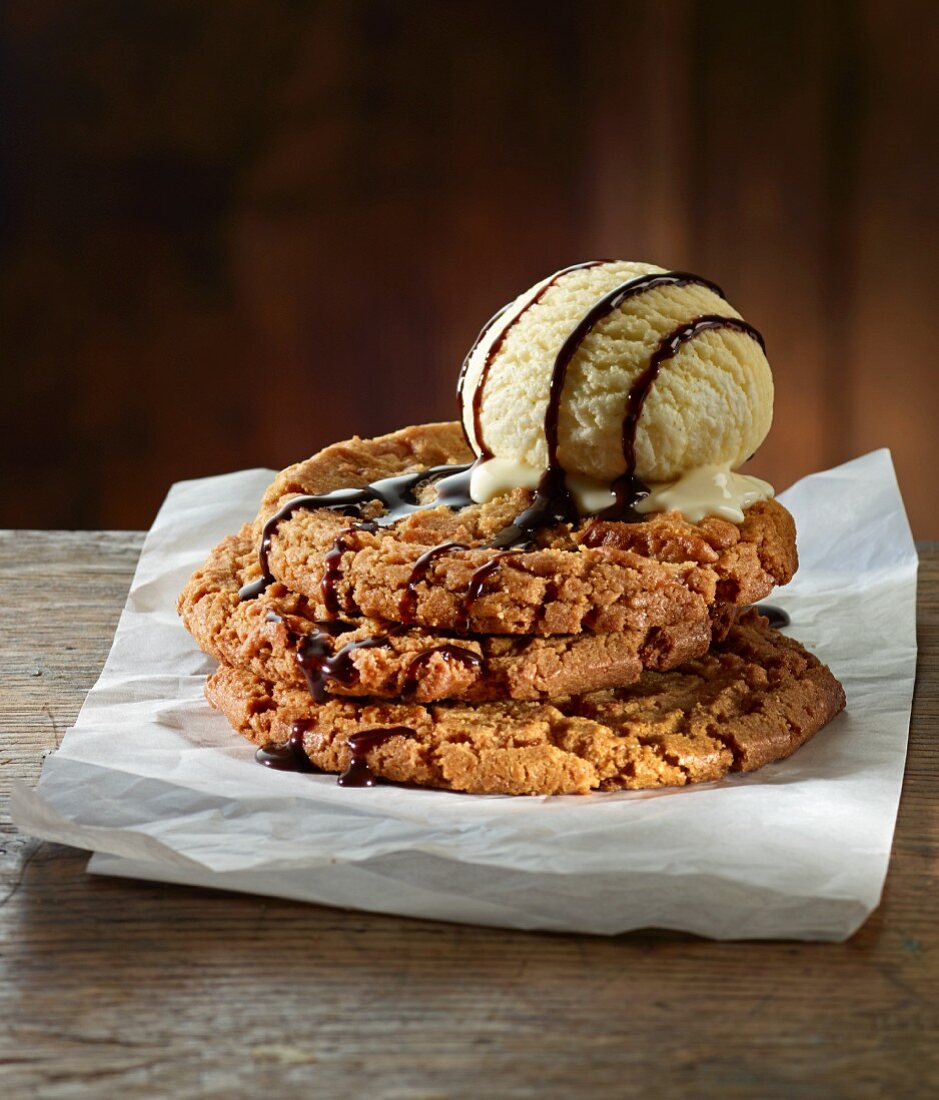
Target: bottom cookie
752 699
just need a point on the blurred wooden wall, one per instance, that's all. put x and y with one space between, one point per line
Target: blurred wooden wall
231 232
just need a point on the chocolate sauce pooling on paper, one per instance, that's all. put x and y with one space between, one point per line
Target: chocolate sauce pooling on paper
289 757
777 617
358 773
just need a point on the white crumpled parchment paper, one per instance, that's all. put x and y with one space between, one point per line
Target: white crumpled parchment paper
159 787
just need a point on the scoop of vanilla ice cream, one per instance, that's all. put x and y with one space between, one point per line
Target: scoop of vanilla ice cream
711 405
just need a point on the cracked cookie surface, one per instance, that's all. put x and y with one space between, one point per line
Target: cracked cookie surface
752 699
597 576
265 636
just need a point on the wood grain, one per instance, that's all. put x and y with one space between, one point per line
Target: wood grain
117 988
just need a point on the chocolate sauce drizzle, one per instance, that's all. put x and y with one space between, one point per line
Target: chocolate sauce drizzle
477 585
777 617
461 379
606 305
358 773
496 347
552 502
290 756
332 568
396 494
449 652
319 665
407 605
345 501
668 349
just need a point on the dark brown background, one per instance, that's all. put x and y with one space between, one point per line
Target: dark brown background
233 232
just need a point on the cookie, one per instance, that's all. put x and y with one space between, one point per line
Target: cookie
437 567
752 699
275 638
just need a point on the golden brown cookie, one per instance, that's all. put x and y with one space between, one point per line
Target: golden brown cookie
597 576
275 638
753 699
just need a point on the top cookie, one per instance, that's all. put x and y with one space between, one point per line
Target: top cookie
598 576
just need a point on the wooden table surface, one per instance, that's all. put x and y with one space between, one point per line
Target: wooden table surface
118 988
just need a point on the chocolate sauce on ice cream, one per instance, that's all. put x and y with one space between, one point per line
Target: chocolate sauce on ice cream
552 502
496 346
627 488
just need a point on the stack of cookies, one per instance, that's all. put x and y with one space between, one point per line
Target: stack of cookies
376 622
